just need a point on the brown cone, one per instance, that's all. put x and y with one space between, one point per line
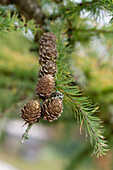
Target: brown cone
31 111
45 86
48 68
47 37
47 48
52 109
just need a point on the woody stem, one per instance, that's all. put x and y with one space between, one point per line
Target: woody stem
25 136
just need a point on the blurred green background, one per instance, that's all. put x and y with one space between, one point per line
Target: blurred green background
58 145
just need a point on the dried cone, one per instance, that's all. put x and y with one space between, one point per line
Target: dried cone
48 68
48 37
47 48
31 111
52 109
45 86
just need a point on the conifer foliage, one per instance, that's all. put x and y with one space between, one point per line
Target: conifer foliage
82 108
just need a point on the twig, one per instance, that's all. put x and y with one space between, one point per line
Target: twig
25 136
96 30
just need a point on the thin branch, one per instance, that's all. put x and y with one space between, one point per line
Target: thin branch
25 136
55 16
87 3
96 30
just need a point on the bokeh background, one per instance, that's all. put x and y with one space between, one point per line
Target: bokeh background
58 145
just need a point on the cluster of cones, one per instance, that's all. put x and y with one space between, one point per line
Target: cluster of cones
51 107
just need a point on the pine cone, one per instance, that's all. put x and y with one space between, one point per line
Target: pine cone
31 111
52 109
48 68
45 86
47 48
48 37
